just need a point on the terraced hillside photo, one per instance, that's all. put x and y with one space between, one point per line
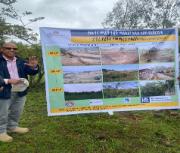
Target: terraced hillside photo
119 56
82 74
80 56
164 71
156 55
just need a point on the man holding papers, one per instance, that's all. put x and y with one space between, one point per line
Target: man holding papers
14 86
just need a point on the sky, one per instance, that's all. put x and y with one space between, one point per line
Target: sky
83 87
77 69
122 85
160 45
126 67
156 65
67 13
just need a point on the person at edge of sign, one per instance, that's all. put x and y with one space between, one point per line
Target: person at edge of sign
14 73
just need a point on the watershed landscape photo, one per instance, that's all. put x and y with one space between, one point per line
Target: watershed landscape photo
157 88
121 89
113 73
156 55
119 56
82 74
83 91
160 71
80 56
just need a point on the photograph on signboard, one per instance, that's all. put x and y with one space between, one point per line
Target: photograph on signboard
120 89
157 71
157 54
118 55
82 74
113 73
157 88
80 56
83 91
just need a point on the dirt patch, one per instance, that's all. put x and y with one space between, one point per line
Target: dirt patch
119 57
158 56
83 77
82 57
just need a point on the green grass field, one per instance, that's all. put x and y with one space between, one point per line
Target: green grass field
114 93
83 95
124 132
110 76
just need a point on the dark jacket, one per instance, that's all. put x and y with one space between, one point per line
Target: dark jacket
23 71
1 82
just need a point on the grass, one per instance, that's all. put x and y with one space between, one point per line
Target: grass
83 95
114 93
110 76
124 132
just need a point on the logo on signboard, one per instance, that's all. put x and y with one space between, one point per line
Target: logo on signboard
69 104
145 100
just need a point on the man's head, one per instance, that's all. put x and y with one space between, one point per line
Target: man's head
9 50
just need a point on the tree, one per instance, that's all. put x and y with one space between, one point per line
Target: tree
143 14
124 15
153 89
19 29
2 29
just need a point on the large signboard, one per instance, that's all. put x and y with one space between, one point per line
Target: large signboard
103 70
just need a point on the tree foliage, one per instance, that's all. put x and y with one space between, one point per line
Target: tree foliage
18 28
158 88
143 14
153 89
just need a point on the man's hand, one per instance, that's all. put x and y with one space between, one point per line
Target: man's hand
32 62
14 81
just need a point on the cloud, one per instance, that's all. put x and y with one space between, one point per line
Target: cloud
69 13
